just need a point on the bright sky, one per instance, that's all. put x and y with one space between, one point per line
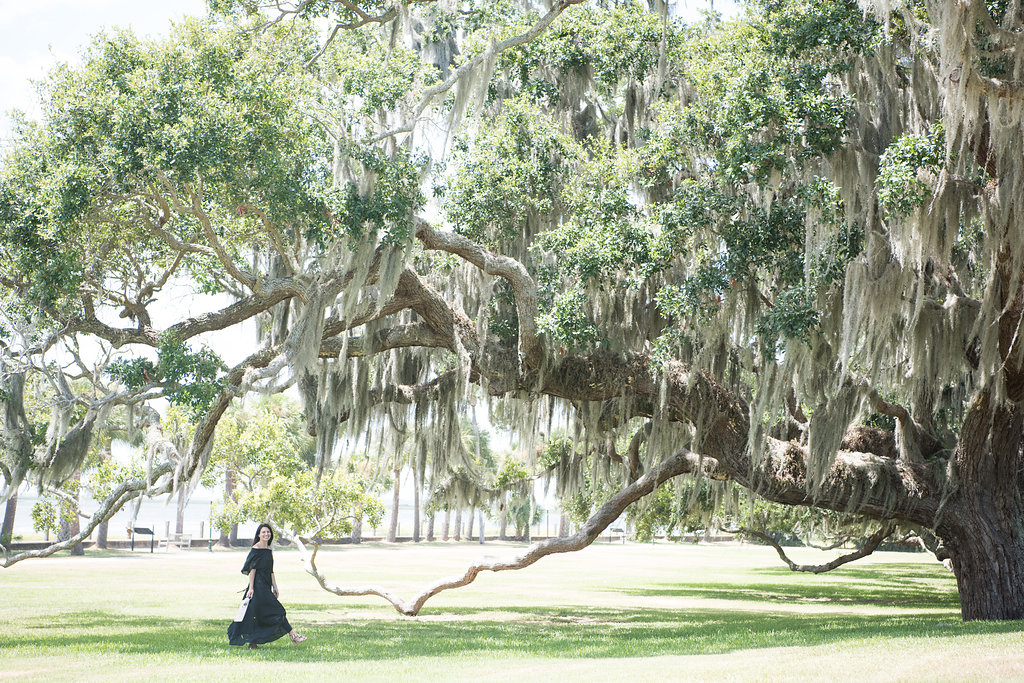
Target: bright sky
37 34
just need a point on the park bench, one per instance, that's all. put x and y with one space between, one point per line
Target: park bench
141 531
616 531
182 541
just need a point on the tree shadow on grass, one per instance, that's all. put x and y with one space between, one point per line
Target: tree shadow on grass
896 585
555 632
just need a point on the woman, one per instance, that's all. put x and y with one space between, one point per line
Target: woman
264 619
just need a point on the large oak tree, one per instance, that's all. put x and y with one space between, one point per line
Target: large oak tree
783 252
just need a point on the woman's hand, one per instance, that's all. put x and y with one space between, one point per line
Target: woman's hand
249 593
277 593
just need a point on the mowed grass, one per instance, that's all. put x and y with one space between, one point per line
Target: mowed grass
611 612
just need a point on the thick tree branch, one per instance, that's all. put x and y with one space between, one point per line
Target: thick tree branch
451 326
274 291
514 272
918 443
117 499
415 393
202 439
870 545
197 210
994 87
632 457
876 485
400 336
682 462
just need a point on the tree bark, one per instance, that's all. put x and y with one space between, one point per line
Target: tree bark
503 516
447 523
989 568
415 505
357 531
101 535
7 530
393 526
229 494
983 525
70 527
179 520
529 521
458 524
430 526
469 522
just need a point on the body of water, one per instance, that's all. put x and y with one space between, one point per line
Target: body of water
159 514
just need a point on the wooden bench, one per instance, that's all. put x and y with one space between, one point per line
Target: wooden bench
182 541
141 531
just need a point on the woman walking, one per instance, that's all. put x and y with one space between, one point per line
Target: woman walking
264 620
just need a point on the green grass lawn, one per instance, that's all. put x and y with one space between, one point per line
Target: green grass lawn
611 612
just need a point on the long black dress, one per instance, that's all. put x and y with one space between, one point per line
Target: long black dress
265 619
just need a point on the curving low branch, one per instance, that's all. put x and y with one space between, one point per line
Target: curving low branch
870 545
682 462
117 499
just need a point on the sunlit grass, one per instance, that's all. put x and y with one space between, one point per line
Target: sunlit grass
611 612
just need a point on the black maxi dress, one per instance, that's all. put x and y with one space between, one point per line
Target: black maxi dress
265 619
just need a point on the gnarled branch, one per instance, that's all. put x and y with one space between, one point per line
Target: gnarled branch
870 545
117 499
523 286
682 462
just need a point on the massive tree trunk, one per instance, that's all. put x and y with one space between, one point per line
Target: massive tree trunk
983 525
101 535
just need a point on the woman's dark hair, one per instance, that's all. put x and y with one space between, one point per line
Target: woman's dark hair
256 538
